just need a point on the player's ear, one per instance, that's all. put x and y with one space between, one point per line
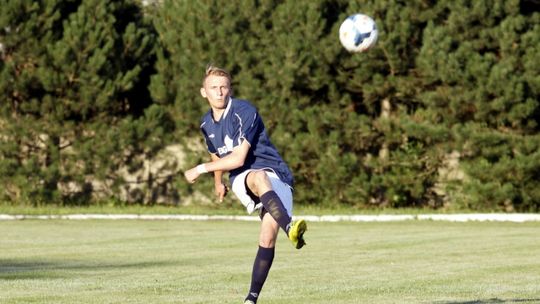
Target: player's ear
203 92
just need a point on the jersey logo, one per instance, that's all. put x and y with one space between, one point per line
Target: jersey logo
228 146
211 135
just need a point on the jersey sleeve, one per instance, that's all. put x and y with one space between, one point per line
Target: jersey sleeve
249 126
210 147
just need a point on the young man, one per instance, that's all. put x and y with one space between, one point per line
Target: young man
238 143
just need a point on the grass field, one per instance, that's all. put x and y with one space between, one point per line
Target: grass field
101 261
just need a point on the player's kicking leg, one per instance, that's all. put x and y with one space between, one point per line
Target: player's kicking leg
276 197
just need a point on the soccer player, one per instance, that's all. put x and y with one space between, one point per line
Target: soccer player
238 143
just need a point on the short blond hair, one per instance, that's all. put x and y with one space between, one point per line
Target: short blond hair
212 70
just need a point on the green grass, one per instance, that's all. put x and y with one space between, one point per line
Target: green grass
61 261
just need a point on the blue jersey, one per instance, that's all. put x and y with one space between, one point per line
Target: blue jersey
241 121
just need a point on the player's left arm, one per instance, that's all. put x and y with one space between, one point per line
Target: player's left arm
220 188
230 162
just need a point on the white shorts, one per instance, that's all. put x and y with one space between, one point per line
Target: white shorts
282 190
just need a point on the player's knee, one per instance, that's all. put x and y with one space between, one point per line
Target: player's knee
257 181
267 240
260 177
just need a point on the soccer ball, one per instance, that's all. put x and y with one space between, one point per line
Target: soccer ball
358 33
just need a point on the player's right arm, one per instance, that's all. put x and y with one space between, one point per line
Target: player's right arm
233 160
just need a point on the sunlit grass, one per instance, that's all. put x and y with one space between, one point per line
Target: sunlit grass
100 261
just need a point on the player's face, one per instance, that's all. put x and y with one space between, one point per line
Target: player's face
217 90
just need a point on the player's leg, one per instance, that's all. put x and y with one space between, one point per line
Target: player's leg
264 257
276 198
275 193
259 183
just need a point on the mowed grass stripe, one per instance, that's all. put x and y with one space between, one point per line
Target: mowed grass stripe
132 261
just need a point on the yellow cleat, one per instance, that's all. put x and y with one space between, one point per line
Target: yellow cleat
296 233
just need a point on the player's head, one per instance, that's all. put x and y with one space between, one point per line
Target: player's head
216 87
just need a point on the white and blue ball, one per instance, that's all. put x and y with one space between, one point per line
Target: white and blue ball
358 33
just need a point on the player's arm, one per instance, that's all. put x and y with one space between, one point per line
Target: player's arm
230 162
219 186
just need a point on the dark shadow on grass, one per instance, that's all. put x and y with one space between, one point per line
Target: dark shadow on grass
26 269
491 301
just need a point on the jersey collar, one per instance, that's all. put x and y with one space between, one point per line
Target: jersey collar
227 108
224 112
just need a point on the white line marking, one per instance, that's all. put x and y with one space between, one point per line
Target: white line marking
482 217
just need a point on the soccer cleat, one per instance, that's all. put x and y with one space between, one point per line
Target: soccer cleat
249 302
296 233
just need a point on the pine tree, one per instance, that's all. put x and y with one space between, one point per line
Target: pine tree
375 128
480 80
73 108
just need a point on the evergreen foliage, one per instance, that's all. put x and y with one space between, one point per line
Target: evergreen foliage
479 80
70 113
443 112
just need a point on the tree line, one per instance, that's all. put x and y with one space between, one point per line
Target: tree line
442 113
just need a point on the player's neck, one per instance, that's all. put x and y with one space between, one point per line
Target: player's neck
217 113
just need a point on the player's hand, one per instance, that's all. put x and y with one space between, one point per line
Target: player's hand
221 191
191 175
